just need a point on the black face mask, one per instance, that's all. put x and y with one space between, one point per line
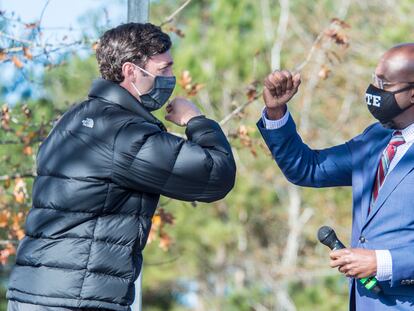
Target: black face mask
383 105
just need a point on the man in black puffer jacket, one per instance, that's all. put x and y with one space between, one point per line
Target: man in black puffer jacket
101 172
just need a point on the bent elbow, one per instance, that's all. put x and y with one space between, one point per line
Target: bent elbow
222 186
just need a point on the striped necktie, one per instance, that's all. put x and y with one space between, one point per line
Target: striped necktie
387 155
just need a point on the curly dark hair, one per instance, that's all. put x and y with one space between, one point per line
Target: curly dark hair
132 42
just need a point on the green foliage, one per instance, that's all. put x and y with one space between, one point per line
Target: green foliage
70 82
232 250
324 295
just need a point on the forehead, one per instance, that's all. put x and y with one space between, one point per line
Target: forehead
160 59
392 67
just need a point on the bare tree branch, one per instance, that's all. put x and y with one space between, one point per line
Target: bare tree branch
281 34
238 110
170 18
41 14
7 242
10 37
15 176
267 20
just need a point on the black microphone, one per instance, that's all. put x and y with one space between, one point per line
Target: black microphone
327 236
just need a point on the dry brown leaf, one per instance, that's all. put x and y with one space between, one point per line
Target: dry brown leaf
4 218
27 112
31 25
27 53
95 46
177 31
194 89
165 241
152 235
17 62
185 79
20 192
338 37
340 22
156 220
324 72
28 150
7 182
20 234
6 253
251 92
167 217
5 117
3 55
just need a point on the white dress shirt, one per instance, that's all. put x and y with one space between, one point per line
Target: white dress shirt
384 259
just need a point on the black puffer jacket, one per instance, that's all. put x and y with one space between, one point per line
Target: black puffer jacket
100 172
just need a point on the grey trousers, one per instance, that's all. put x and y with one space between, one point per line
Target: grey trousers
20 306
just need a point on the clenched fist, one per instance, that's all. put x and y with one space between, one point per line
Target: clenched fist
181 110
279 88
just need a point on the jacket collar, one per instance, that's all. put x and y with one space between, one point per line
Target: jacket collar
114 93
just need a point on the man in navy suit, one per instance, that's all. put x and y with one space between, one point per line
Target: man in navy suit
378 164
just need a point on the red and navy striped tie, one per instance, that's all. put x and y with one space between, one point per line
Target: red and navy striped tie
388 154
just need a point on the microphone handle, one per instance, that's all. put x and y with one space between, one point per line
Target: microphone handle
338 245
370 283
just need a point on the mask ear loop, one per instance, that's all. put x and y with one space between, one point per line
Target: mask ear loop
136 89
145 72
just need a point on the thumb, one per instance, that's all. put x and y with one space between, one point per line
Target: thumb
168 117
296 80
267 94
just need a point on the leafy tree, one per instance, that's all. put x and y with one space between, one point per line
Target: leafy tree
256 249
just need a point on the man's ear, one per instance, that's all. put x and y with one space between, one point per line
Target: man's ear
412 96
128 71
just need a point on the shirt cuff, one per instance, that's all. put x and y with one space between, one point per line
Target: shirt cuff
274 124
384 265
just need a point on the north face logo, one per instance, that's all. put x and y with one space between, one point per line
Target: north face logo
88 122
373 100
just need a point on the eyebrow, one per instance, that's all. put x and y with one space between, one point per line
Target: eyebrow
165 65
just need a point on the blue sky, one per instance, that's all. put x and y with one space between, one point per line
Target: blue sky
60 13
61 18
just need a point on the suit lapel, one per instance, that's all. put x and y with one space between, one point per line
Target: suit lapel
393 179
369 172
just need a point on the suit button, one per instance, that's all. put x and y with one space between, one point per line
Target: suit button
362 239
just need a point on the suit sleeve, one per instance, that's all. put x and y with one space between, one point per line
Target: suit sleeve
201 168
402 266
304 166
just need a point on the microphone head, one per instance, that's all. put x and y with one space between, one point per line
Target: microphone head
327 236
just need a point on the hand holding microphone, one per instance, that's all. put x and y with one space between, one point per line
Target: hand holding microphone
358 263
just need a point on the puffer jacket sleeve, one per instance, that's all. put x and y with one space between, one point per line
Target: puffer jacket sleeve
148 159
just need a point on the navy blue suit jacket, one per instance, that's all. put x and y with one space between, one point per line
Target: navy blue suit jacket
389 225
